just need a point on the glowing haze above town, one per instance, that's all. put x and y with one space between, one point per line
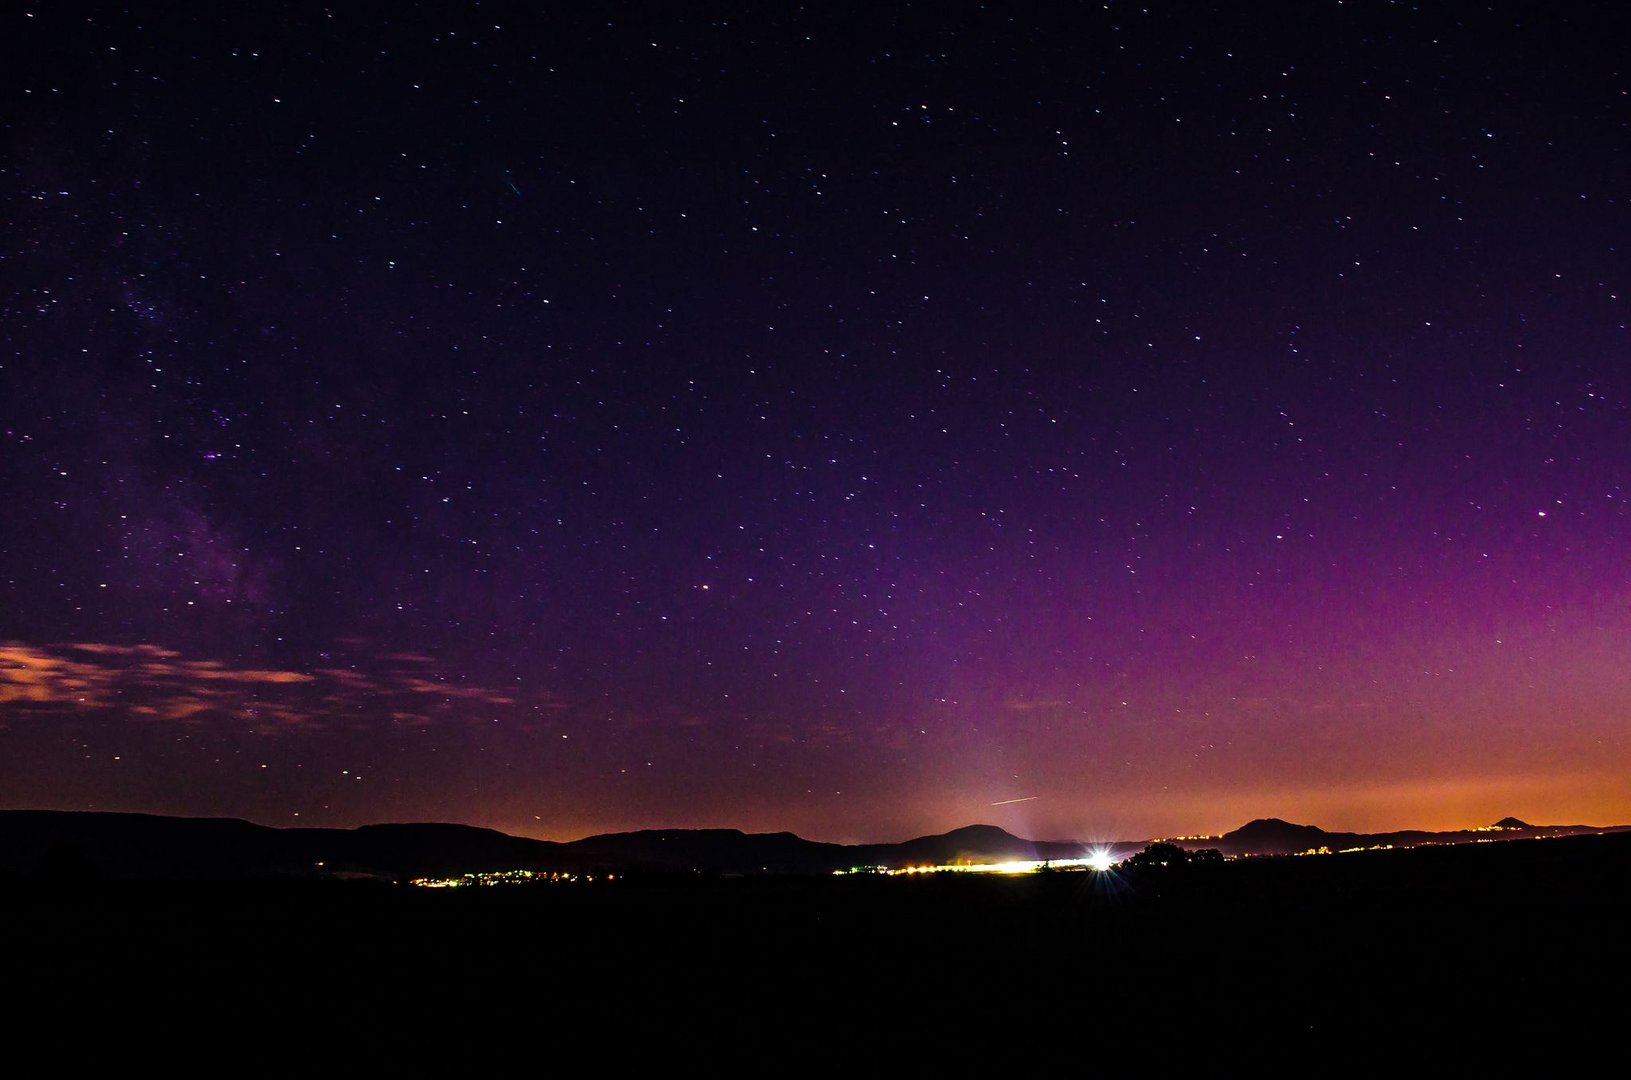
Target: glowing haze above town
1097 421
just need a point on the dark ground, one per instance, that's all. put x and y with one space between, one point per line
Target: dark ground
1515 948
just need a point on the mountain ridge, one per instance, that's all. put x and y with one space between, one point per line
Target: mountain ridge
133 846
1276 836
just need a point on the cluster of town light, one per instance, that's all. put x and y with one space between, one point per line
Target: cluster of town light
1098 859
502 877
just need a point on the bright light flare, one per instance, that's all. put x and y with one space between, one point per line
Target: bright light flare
1100 859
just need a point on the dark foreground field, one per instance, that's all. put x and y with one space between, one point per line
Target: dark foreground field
1517 946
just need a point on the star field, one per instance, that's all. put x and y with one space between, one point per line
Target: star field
836 419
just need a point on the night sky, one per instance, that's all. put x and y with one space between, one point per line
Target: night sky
1098 421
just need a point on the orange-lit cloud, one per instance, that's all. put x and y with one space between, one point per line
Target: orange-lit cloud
454 691
152 683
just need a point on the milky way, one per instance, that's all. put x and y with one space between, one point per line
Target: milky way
861 421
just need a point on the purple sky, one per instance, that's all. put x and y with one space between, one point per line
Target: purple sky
840 420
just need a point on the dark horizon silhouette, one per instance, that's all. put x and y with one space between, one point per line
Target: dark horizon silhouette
143 846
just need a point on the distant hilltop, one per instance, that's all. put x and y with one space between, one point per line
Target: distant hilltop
1272 836
69 845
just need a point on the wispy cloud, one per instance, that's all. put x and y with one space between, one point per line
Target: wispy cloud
151 683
